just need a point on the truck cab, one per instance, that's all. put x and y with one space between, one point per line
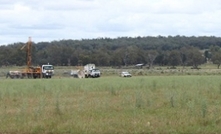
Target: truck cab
95 73
47 71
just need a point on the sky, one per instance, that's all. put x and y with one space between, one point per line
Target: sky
54 20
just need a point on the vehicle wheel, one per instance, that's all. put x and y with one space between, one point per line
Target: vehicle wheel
34 77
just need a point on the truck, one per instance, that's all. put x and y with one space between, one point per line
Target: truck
91 72
47 71
44 71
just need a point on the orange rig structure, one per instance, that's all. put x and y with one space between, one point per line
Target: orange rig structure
46 71
30 71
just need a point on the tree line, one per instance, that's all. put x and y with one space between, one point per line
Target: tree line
122 51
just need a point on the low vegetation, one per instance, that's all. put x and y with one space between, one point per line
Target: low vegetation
111 104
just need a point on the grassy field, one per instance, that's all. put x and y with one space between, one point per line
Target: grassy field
111 104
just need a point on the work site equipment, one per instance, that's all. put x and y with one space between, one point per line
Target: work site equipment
44 71
30 71
91 71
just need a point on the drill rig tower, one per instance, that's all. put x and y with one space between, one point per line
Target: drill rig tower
30 71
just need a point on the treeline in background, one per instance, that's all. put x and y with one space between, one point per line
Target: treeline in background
116 52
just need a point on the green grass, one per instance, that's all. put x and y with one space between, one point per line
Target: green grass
142 104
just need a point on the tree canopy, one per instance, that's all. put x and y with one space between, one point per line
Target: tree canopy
122 51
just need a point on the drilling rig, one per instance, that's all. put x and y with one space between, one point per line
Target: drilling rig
44 71
30 71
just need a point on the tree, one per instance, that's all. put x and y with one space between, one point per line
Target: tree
184 52
151 56
126 57
174 58
162 58
215 54
194 57
112 52
135 55
216 58
116 58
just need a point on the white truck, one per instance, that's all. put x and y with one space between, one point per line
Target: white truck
47 71
91 71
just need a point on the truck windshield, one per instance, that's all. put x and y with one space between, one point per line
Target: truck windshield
48 67
96 70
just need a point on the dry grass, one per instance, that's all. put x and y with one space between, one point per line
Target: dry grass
157 104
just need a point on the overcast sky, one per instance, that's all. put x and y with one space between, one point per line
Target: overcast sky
49 20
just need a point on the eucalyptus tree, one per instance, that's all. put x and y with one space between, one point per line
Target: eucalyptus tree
216 58
216 55
195 57
174 58
150 57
